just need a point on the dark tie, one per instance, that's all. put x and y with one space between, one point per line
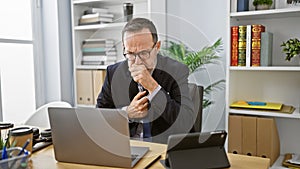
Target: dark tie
146 125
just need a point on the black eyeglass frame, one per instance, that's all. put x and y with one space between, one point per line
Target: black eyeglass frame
138 54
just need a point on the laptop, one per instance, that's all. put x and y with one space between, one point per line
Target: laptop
197 150
93 136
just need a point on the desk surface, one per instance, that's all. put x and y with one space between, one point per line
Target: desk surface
45 159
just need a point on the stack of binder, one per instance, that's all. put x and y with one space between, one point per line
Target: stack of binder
96 16
88 85
98 52
268 106
253 136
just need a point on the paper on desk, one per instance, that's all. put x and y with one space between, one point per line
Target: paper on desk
295 159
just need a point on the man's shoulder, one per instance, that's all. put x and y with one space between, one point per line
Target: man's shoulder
113 67
167 62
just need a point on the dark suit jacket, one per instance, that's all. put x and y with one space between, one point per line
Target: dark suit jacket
171 110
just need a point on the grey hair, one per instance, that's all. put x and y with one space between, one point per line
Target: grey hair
137 24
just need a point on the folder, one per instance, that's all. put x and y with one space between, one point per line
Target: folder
249 135
84 87
268 144
235 134
98 80
268 106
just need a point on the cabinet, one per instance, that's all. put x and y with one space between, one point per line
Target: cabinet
277 83
152 9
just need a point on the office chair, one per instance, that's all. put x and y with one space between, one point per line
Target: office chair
196 93
40 117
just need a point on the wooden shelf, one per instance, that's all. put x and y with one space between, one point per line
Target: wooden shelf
269 68
294 115
85 105
267 14
117 25
102 2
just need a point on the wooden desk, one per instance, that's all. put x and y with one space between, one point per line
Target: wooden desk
45 159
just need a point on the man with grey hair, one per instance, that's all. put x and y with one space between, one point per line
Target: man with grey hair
153 89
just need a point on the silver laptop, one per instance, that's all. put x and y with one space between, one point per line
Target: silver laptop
93 136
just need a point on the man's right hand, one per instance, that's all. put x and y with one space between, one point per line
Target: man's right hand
138 107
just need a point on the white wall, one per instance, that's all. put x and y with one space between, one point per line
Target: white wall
65 51
198 23
57 41
51 50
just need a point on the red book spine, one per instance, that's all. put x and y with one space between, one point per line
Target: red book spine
256 38
234 45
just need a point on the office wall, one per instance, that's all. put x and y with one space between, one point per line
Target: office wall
57 41
198 23
65 50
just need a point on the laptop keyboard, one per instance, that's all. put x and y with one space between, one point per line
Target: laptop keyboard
134 156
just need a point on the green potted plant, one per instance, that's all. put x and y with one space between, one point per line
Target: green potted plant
291 48
194 60
262 4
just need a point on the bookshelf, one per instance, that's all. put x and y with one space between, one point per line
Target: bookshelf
267 14
119 25
142 8
277 83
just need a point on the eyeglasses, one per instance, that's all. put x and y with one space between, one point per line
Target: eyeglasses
143 55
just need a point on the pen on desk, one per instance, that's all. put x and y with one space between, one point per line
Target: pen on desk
20 153
152 162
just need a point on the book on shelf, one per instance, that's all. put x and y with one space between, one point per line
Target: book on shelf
286 109
98 45
248 45
96 20
106 41
256 44
98 62
107 53
234 45
242 5
233 6
248 105
252 43
99 58
95 15
102 49
242 45
92 62
95 10
266 49
268 107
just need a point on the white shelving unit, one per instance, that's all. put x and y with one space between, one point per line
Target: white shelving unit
141 8
277 83
101 26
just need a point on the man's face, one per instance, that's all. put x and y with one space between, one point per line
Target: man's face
141 43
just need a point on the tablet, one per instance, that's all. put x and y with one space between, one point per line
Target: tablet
197 150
